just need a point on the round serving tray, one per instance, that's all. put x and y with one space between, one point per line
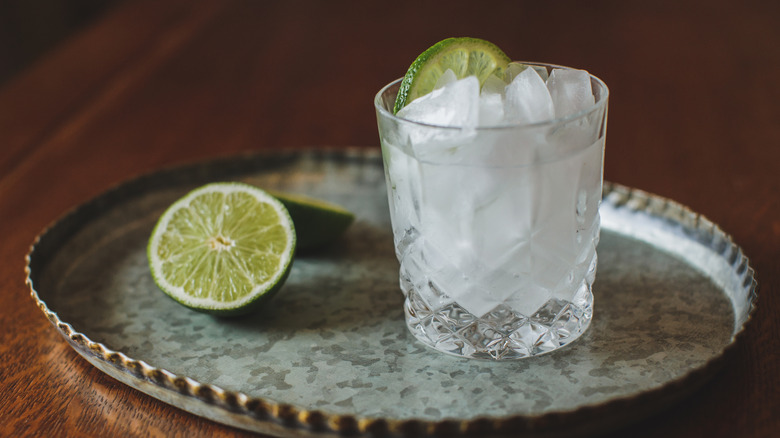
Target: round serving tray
331 356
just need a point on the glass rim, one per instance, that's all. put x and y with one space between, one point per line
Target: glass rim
602 102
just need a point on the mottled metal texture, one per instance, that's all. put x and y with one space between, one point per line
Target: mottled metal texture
331 356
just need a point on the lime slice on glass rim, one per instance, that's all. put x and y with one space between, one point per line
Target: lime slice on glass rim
464 56
317 222
223 248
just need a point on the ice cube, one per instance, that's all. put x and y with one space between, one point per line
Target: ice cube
493 84
542 72
454 104
512 70
570 91
454 281
491 109
528 299
447 211
457 275
446 78
403 188
476 300
515 68
527 99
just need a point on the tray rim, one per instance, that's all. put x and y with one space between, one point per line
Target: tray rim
259 414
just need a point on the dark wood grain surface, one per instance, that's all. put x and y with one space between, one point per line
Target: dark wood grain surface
694 116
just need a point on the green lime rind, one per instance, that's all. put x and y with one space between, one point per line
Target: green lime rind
464 56
317 222
223 249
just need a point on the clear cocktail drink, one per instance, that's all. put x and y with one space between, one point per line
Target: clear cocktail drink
496 221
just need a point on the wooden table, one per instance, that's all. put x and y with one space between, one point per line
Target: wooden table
694 116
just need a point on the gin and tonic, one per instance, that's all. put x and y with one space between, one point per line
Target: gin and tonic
494 190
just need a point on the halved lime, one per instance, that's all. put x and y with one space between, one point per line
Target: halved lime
223 248
317 222
464 56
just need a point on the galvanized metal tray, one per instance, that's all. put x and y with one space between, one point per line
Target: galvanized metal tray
331 355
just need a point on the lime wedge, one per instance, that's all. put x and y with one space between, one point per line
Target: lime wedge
464 56
223 248
317 222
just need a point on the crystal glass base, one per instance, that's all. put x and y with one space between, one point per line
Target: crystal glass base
502 333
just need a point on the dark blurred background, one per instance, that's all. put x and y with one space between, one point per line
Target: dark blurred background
30 28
